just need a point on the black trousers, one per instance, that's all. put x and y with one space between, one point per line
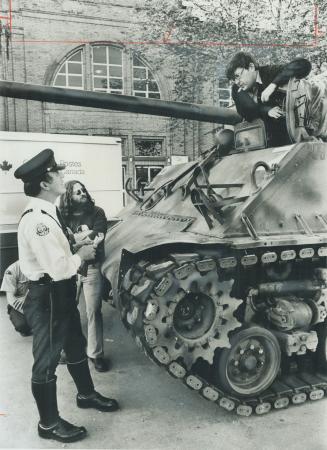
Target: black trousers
277 133
51 312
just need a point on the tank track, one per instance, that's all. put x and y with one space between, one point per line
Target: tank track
146 281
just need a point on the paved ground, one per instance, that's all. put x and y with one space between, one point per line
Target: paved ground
157 412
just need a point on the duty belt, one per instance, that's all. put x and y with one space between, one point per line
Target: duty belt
46 279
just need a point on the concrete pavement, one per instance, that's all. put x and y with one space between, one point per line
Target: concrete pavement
157 411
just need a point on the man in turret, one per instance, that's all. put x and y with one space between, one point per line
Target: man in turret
256 91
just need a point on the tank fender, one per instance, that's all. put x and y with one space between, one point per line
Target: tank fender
115 272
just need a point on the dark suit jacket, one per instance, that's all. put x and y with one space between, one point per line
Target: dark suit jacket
248 108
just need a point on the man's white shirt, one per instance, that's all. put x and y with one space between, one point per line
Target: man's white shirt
42 245
14 284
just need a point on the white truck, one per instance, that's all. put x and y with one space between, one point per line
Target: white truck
96 161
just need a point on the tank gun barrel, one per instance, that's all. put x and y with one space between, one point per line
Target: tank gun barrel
117 102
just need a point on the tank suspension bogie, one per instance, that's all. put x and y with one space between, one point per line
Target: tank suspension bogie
297 342
219 322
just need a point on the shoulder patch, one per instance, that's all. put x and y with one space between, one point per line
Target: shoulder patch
42 229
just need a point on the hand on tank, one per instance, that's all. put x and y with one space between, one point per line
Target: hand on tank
98 238
87 252
82 235
79 243
266 93
276 112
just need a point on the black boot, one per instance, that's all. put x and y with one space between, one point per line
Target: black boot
87 397
45 395
97 401
51 426
80 373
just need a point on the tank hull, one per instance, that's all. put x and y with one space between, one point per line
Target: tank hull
286 210
221 288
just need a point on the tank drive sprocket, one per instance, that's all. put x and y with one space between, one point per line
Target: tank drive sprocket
195 315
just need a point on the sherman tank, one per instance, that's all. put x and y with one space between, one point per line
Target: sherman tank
218 267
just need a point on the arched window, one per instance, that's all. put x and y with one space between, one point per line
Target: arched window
144 84
107 68
71 73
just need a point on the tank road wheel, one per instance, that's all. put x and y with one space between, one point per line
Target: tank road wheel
250 365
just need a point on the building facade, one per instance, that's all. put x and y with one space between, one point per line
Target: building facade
96 45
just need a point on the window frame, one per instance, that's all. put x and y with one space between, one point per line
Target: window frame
124 173
150 138
107 64
67 74
148 167
147 80
224 102
127 67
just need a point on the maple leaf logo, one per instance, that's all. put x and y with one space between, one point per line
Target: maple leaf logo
5 166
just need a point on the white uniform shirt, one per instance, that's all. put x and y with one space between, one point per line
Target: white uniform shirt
14 283
42 245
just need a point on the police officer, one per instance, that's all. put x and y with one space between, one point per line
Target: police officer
50 306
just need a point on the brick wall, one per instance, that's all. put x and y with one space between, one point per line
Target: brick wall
43 34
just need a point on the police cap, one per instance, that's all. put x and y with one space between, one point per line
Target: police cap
40 164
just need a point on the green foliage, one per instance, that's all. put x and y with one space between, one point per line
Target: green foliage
197 37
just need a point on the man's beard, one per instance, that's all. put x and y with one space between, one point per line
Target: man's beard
83 206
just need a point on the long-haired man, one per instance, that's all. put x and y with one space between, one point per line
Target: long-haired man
86 220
